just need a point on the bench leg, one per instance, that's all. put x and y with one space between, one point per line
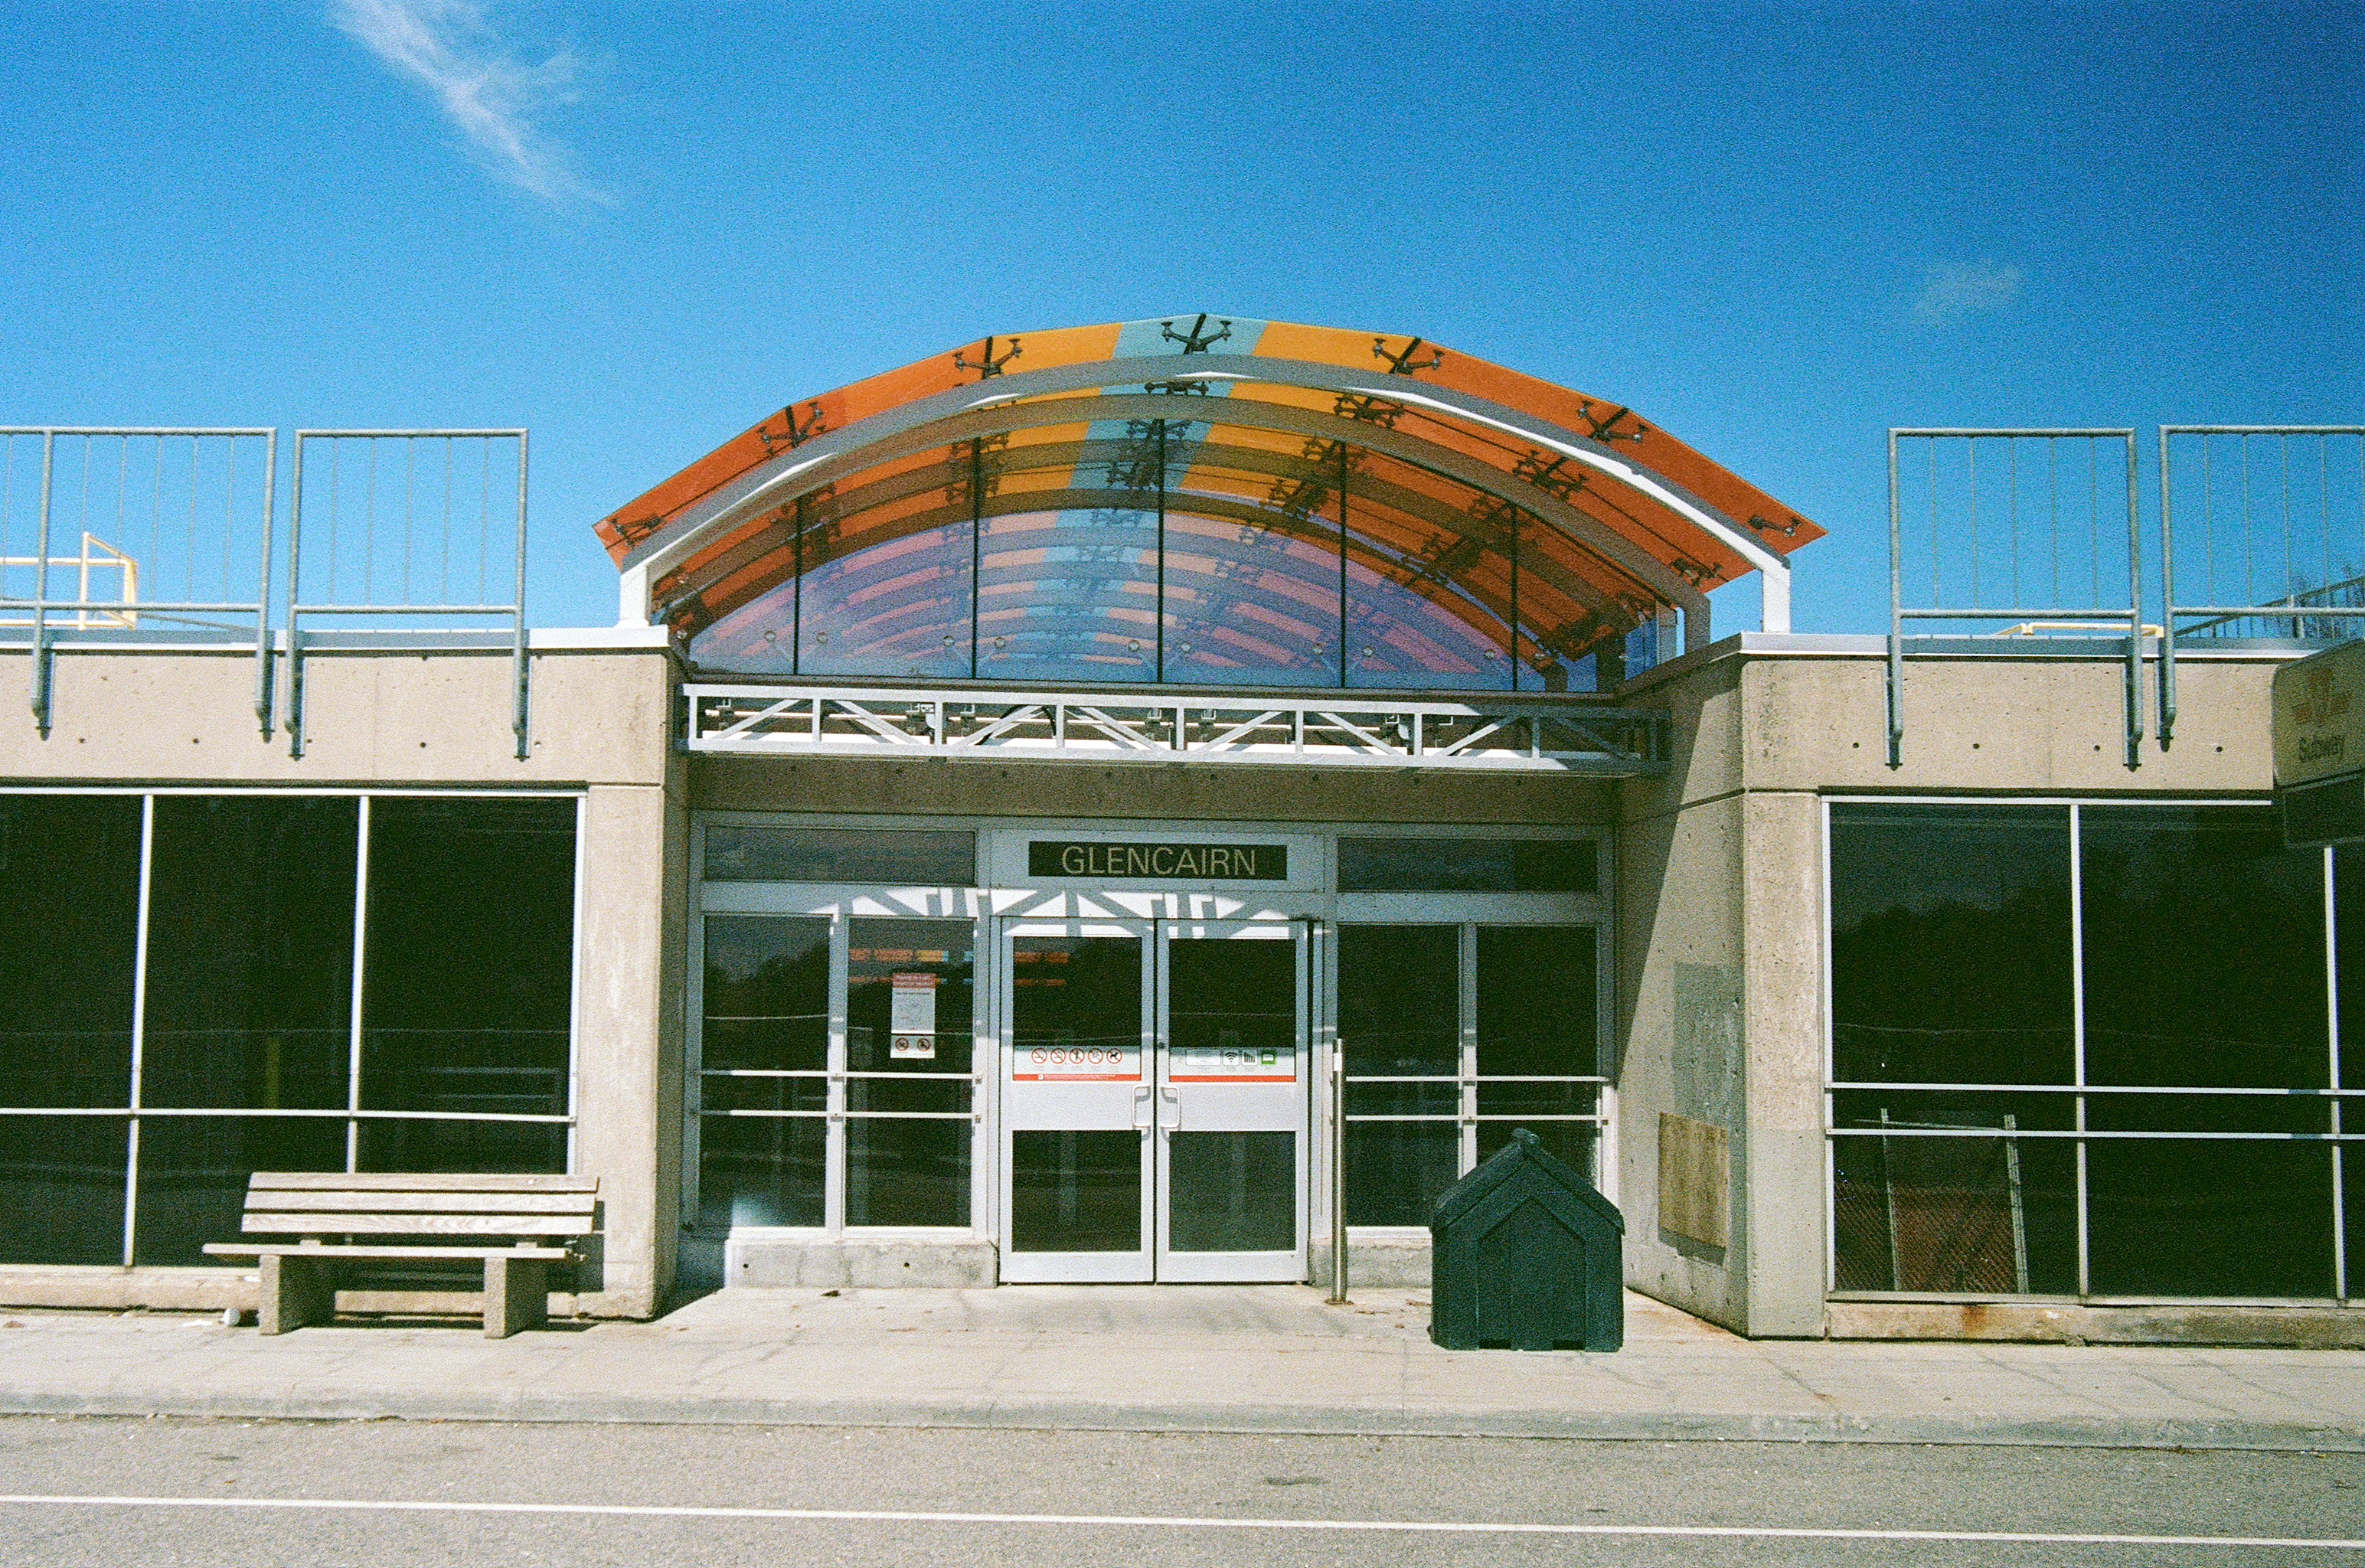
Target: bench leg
294 1292
516 1296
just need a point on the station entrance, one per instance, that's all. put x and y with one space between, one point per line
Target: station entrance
1156 1110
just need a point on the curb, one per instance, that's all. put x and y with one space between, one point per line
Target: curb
2015 1431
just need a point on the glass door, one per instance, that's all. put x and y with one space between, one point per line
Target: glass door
1076 1108
1231 1092
1154 1100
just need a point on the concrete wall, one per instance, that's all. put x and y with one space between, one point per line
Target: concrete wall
1161 791
1721 920
600 723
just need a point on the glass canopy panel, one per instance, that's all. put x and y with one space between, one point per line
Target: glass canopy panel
1248 589
1248 605
1069 596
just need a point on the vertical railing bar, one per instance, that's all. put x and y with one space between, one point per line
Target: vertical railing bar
189 567
2011 506
230 486
1937 594
2249 546
1971 460
2053 508
410 457
484 515
156 507
2291 570
444 572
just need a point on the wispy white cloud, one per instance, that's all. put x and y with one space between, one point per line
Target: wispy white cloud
450 48
1951 290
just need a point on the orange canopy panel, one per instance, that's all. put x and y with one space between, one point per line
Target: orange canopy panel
1661 531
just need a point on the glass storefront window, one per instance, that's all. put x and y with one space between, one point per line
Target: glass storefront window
895 860
910 1030
764 1059
2184 1125
249 903
1468 866
1455 1034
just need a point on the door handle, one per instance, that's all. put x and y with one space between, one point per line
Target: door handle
1170 1109
1141 1109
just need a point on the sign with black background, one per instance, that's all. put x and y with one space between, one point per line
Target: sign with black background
1160 862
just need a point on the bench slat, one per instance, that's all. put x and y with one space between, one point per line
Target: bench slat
324 1201
266 1221
420 1254
415 1182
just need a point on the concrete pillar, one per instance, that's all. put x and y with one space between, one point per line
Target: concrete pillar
626 1109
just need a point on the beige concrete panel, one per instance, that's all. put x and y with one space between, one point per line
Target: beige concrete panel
2005 724
621 1028
1780 1173
932 786
2312 1327
440 717
673 1025
1704 710
1679 877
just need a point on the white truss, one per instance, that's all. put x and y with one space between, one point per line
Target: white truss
1327 730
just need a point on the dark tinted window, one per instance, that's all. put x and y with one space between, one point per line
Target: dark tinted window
467 990
71 868
832 854
251 953
2204 949
1950 944
1468 865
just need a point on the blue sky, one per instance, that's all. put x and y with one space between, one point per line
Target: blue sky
1774 229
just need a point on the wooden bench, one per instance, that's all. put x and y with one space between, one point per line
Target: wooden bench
298 1278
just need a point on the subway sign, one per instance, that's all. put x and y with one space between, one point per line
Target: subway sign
1160 862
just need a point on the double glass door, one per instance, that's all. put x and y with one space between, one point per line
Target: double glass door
1154 1100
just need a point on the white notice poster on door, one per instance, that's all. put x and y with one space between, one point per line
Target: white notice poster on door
911 1014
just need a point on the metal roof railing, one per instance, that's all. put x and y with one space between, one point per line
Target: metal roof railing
2294 535
2026 570
147 525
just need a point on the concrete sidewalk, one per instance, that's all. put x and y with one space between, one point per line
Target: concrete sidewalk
1265 1358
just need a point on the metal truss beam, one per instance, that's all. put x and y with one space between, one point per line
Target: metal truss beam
1326 730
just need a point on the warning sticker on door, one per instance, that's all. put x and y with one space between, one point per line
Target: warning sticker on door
1076 1062
911 1047
912 1003
1233 1064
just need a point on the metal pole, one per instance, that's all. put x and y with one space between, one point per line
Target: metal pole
517 603
2134 615
2167 602
1337 1173
295 720
1161 555
262 585
1342 568
1896 619
42 595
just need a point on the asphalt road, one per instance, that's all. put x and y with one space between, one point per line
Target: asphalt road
199 1492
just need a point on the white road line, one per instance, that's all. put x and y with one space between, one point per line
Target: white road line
1164 1522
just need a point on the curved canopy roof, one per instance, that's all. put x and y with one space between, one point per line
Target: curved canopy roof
1210 499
